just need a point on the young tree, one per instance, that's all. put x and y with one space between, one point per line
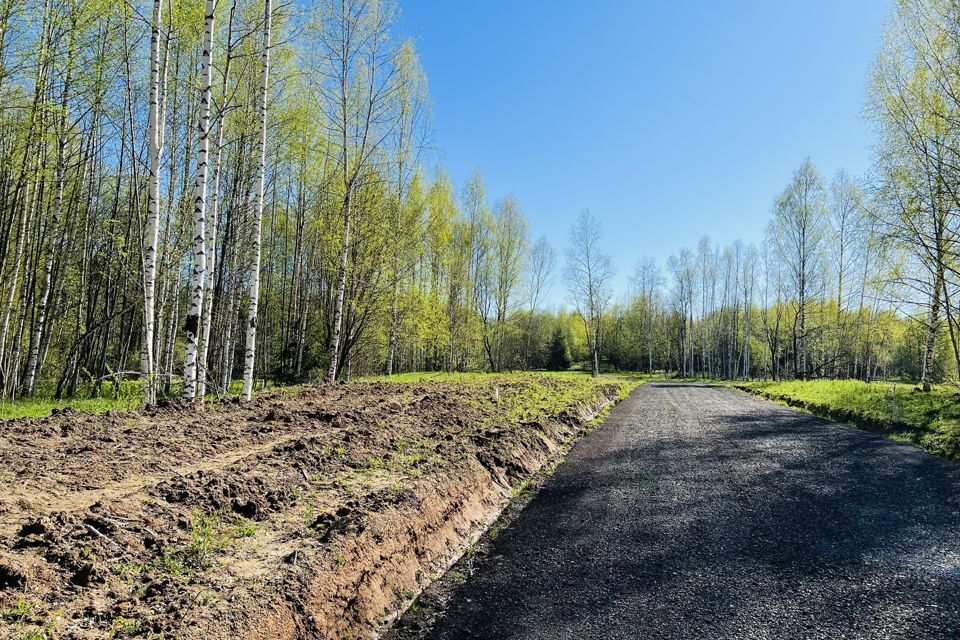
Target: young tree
542 261
648 280
558 354
407 142
508 251
358 87
588 272
682 270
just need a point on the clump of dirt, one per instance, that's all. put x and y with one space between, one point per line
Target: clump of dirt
317 512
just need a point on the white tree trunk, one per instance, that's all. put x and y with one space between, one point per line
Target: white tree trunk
251 347
341 291
198 280
152 230
207 315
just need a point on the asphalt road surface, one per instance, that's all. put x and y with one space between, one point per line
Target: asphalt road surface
701 512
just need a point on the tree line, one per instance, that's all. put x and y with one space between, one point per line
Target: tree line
854 278
193 193
197 192
814 300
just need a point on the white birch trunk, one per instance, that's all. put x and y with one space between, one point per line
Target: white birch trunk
151 233
251 345
198 280
341 291
207 316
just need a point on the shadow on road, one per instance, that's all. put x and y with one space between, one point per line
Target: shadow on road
698 512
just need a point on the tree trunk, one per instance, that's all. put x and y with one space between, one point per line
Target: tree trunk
341 289
153 215
29 382
258 213
198 279
933 329
207 314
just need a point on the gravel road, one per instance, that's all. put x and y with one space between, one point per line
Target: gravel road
702 512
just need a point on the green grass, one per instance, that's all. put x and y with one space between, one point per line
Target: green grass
18 612
442 376
40 407
930 420
125 396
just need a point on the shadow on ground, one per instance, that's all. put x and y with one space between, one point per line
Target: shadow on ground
700 512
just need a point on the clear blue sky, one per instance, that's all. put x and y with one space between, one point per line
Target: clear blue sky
669 120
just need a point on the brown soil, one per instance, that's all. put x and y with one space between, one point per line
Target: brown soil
313 513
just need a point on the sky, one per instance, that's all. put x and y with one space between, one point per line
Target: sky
667 120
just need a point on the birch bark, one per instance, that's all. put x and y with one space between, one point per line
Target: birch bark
251 345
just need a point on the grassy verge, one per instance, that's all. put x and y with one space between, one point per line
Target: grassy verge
901 411
125 396
442 376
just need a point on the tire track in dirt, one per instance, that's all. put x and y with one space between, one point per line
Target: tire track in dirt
312 514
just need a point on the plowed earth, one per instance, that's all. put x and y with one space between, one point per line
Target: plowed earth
313 513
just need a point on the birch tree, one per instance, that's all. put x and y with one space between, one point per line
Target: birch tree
358 89
407 141
151 235
198 278
251 342
914 102
62 131
798 231
203 366
541 263
588 272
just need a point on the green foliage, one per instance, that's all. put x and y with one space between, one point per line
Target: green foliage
18 612
18 616
206 537
125 627
558 354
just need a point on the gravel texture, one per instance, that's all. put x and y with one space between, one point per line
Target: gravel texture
702 512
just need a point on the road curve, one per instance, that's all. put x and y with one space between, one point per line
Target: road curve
702 512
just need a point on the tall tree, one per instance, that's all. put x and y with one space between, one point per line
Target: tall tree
914 102
588 272
407 142
258 210
541 263
203 364
198 279
359 89
151 235
798 232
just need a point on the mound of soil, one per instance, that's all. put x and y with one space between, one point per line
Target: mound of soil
318 512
